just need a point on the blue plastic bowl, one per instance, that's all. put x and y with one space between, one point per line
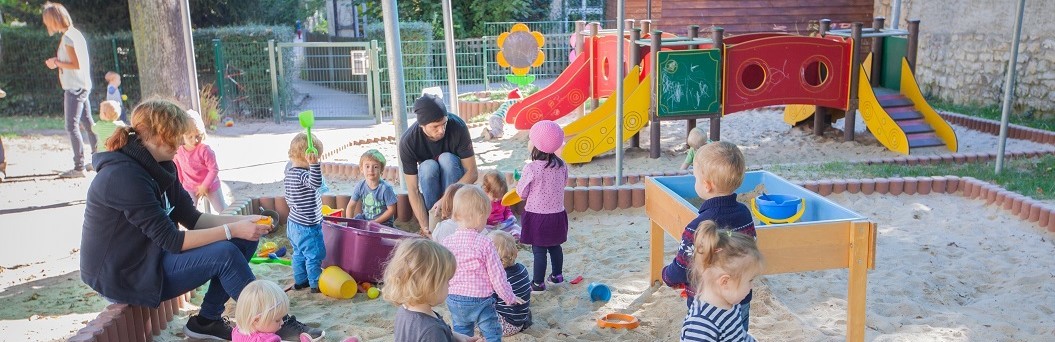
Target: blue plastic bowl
599 292
778 207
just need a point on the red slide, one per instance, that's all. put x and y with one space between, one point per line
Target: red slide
569 91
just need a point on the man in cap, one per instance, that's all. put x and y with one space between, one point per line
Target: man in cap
435 152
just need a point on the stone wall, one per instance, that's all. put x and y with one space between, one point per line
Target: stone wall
965 45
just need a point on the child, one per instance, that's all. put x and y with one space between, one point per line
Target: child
719 170
724 265
376 196
440 223
198 171
479 272
697 137
302 185
542 186
501 217
109 112
416 279
113 92
514 318
259 312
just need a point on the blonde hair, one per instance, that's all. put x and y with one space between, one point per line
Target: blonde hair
494 184
697 137
722 164
159 120
418 268
299 145
109 110
506 246
446 202
56 18
260 301
734 253
110 75
471 207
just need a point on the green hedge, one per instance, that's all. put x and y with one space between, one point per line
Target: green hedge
33 89
417 61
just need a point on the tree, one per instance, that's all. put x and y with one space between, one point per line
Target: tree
162 45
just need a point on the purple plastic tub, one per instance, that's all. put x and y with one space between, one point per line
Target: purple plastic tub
359 247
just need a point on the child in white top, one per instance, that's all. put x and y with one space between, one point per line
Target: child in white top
441 224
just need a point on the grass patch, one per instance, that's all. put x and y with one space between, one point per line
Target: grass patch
1031 177
994 113
16 125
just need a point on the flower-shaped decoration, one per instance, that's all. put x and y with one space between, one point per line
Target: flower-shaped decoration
520 49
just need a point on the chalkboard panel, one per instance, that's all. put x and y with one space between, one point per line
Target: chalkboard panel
688 82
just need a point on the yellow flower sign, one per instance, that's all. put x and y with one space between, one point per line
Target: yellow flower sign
520 49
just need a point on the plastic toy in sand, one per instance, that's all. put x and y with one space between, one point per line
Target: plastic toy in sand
337 283
773 209
618 321
228 122
599 292
327 211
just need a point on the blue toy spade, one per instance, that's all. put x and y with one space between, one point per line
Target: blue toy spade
307 120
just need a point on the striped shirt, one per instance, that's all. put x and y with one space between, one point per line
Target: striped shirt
707 322
518 315
302 194
479 273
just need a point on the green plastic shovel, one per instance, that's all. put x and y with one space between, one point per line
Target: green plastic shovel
307 120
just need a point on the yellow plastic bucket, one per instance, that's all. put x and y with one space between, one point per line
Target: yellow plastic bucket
337 283
511 198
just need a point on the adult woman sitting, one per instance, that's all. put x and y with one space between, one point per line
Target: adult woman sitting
131 249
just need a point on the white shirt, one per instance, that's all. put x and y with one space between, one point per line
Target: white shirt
80 78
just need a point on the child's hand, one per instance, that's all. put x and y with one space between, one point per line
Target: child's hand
203 191
312 158
518 301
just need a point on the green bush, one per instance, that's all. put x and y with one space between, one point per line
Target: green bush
417 61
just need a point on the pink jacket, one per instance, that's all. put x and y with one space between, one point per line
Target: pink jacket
499 213
543 188
479 272
238 336
197 167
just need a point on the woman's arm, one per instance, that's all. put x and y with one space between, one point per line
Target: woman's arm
245 229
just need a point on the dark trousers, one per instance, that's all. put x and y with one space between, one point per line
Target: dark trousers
78 110
556 255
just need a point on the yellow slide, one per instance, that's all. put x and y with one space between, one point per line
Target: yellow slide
631 81
600 136
902 119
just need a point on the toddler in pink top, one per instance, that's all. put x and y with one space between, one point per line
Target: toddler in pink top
260 311
501 217
197 169
545 222
479 272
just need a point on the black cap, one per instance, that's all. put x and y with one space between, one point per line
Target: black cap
429 108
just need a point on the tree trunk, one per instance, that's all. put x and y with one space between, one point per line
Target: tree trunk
164 50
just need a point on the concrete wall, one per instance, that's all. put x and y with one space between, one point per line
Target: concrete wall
964 48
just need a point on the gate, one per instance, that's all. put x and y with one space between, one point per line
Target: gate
336 80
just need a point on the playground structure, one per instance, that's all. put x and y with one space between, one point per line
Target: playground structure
696 78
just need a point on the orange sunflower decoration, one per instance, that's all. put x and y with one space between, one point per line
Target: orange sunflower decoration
520 49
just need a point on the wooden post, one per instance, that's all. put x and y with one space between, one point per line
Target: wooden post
653 128
594 27
850 119
913 43
821 119
694 32
826 24
655 260
635 59
579 27
860 236
718 36
877 52
646 25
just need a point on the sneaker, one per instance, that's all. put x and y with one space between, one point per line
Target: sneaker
300 286
315 290
291 330
210 330
538 287
72 174
89 167
556 278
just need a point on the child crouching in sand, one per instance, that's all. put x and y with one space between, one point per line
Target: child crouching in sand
501 217
417 279
514 318
723 267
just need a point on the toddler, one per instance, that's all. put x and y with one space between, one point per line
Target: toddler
303 184
719 171
513 318
501 217
542 187
372 198
416 279
697 138
198 171
113 92
109 112
723 267
260 310
479 272
440 223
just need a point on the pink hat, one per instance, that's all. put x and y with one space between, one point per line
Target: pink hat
546 136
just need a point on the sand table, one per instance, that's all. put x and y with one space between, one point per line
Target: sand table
940 275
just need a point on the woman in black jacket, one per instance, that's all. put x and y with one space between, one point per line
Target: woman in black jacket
131 249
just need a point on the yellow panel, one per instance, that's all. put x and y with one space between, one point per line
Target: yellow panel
600 137
878 120
910 89
793 114
630 83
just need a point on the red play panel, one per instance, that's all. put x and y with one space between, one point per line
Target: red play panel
787 70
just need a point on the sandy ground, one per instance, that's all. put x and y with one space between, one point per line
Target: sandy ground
927 286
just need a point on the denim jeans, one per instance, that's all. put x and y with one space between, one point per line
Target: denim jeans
224 264
468 312
434 176
78 110
308 252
